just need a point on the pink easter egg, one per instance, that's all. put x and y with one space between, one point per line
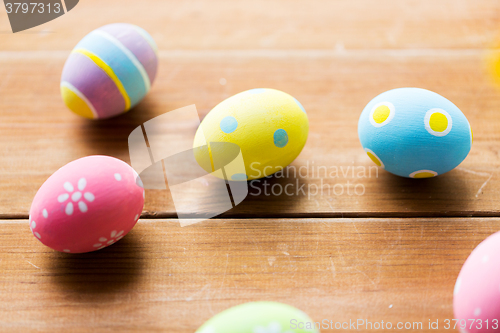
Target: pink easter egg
476 298
87 204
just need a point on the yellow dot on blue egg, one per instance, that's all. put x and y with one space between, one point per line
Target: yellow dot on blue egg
239 176
423 174
374 157
438 122
381 114
228 124
280 138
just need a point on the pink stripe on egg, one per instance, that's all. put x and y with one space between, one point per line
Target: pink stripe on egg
95 84
132 40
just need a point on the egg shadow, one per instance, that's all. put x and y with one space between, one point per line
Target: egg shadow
110 136
99 274
445 195
271 197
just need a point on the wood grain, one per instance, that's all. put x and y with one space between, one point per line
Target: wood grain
334 57
39 135
162 277
276 24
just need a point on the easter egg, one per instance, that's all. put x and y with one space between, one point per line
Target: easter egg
269 126
414 133
492 63
109 71
260 317
476 297
87 204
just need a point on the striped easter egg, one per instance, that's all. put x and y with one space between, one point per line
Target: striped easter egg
109 71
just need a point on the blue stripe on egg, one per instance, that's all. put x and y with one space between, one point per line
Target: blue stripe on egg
124 69
280 138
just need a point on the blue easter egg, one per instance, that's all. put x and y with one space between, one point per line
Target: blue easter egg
414 133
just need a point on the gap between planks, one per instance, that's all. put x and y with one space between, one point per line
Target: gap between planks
323 215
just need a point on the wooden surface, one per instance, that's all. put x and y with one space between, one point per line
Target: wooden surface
338 257
165 278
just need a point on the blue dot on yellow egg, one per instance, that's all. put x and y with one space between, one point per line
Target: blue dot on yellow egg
228 124
257 91
300 105
239 176
280 138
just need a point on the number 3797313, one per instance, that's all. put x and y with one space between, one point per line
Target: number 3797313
32 8
470 323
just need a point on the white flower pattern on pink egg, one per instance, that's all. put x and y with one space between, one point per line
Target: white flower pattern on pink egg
32 227
114 237
76 197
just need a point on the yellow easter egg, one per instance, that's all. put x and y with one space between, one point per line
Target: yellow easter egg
269 126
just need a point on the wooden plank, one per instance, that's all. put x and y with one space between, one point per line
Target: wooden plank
39 135
162 277
275 24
